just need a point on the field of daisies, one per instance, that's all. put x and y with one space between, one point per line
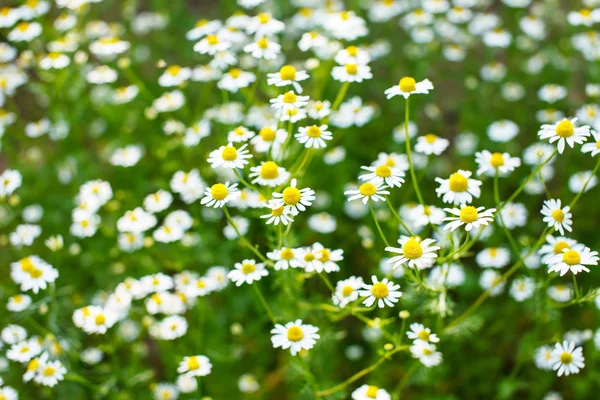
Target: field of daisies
299 199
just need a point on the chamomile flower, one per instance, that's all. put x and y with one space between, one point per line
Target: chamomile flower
495 163
295 336
287 75
567 359
459 188
351 73
492 281
385 293
18 303
195 366
493 257
158 201
424 215
313 136
240 134
278 214
469 216
346 291
212 44
264 24
419 332
235 80
229 157
268 173
33 273
293 199
269 136
174 75
431 144
370 392
24 351
594 147
557 217
383 173
572 259
263 48
556 245
219 194
50 373
247 271
284 258
368 191
564 132
408 86
426 353
522 288
415 252
288 101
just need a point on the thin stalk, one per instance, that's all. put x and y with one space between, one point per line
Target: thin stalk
377 224
408 155
264 302
243 238
389 203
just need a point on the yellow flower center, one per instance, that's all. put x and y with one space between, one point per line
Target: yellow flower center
345 15
383 171
493 252
264 18
566 358
23 26
263 43
200 284
372 391
352 51
287 73
212 39
308 257
289 97
26 265
585 12
24 350
565 129
313 131
235 72
560 246
33 365
48 371
193 363
347 290
267 134
291 196
408 84
219 191
468 214
380 290
100 319
423 335
558 215
412 249
324 255
295 334
248 268
430 138
277 212
367 189
571 257
35 273
201 23
497 160
269 170
229 153
351 69
458 183
287 254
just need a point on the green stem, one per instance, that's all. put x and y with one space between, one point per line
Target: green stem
576 288
572 204
340 96
243 238
325 279
389 203
408 154
377 224
244 182
405 379
511 240
264 302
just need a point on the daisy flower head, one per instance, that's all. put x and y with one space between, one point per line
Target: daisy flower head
284 258
370 392
287 75
295 336
385 293
352 55
211 45
469 216
556 245
293 199
219 194
419 332
424 215
493 257
263 48
313 136
459 188
195 366
278 214
50 373
492 163
557 217
383 173
415 252
267 137
572 259
407 86
240 134
229 157
346 291
431 144
564 132
351 73
247 271
567 359
368 191
289 101
235 80
268 173
594 147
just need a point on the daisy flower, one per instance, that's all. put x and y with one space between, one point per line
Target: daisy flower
293 199
567 359
351 73
469 216
592 148
564 132
459 188
415 252
346 291
50 373
574 259
492 163
247 271
431 144
240 134
229 157
289 101
284 258
493 257
268 173
425 215
295 336
408 86
383 173
195 366
219 194
287 75
426 353
368 191
263 48
384 293
211 45
370 392
313 136
235 80
269 136
419 332
555 245
557 217
279 214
